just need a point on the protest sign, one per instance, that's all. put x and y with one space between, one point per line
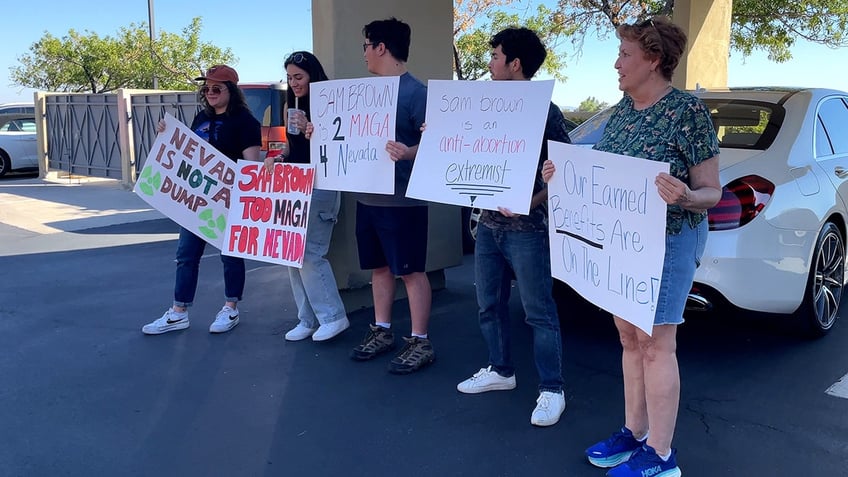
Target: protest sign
353 120
607 227
482 143
188 180
269 213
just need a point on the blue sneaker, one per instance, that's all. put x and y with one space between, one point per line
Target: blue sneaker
646 463
613 451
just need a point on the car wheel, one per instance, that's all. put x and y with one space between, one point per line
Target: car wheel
824 287
5 164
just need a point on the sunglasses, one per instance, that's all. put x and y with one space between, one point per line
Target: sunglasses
295 58
213 89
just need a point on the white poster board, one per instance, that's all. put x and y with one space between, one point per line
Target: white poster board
482 143
607 228
188 180
269 213
353 120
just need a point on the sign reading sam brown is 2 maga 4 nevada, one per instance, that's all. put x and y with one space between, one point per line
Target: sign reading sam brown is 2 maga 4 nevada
353 121
188 180
482 143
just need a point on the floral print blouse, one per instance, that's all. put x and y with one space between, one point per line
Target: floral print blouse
677 130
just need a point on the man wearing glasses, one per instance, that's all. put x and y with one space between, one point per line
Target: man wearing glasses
391 230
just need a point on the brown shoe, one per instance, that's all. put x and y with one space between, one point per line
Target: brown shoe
417 353
378 341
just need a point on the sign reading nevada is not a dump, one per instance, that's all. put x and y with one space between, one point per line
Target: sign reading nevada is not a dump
241 208
189 181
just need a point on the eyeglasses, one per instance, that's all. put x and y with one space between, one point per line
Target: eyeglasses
295 58
214 89
366 45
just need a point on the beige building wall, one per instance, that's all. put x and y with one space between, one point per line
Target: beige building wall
707 24
337 41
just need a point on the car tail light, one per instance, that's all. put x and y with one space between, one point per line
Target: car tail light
741 201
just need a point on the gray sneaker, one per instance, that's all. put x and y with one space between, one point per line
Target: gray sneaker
378 341
170 321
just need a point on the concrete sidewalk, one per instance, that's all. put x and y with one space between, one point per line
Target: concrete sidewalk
34 209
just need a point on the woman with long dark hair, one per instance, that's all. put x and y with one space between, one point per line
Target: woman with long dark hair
226 123
320 310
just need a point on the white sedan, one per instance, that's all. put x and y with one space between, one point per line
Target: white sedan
18 146
777 241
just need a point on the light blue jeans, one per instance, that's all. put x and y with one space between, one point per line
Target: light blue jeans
314 285
497 254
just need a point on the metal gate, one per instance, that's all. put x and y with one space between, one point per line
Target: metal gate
82 132
145 112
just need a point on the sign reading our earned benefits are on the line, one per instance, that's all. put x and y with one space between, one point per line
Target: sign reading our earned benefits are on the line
353 120
481 147
607 229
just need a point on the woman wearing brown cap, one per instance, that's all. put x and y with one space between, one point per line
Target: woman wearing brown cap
227 124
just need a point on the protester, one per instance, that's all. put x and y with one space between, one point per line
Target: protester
227 124
658 122
320 310
510 245
391 230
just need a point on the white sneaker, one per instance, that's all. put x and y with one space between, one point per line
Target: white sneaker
486 380
330 330
549 406
170 321
299 332
225 320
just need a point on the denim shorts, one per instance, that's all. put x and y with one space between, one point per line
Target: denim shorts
392 236
683 253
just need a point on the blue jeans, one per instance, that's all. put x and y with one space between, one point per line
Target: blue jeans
314 285
189 251
499 253
683 253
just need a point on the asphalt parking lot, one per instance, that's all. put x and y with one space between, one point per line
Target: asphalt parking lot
85 393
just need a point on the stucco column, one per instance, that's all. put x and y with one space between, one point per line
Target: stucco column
707 24
337 41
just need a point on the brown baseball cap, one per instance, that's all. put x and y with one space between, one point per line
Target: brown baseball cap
220 73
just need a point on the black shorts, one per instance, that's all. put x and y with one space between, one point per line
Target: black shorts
392 236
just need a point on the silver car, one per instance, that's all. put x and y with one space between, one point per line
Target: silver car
777 241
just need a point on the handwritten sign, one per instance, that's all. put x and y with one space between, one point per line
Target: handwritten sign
607 229
188 180
353 120
270 211
482 143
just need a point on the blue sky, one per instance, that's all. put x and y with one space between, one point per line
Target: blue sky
260 45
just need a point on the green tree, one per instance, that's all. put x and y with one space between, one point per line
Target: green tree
769 25
471 45
591 105
86 62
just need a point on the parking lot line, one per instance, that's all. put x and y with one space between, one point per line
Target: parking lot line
839 388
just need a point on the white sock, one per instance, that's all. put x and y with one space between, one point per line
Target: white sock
665 457
420 336
383 325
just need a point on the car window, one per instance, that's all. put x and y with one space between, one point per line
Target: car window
823 147
832 118
266 104
590 131
745 124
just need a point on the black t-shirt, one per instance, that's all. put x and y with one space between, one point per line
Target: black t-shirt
298 147
230 133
